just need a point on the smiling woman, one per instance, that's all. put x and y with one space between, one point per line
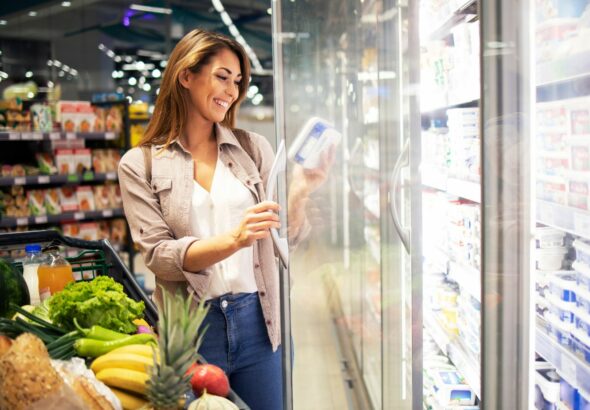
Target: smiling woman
194 199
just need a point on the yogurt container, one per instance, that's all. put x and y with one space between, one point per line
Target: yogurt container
547 237
550 258
563 286
583 299
582 274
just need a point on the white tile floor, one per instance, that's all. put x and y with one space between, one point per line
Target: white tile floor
317 375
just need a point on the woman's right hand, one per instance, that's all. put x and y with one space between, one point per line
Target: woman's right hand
256 223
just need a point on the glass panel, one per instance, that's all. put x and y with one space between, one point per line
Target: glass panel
561 161
450 225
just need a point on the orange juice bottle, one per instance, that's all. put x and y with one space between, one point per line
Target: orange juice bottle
54 274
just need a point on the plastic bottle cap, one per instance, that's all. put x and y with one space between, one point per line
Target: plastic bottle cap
33 248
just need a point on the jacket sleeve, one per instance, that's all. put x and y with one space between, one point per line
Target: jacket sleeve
163 253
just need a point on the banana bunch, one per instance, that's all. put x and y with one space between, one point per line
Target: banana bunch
125 371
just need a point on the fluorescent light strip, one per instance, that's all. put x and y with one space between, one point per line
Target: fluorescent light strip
150 9
236 33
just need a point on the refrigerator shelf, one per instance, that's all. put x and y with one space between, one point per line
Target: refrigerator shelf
568 365
572 220
455 351
441 109
458 17
457 187
571 68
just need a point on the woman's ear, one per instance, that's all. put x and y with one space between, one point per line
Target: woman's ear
184 78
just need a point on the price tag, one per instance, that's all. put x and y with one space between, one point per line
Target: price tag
37 136
20 181
72 178
70 135
88 176
40 219
44 179
109 136
27 136
111 175
54 135
13 136
79 215
107 213
22 221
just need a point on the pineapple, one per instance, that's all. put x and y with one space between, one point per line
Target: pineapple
179 339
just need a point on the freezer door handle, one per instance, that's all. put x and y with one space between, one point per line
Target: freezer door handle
402 161
279 165
358 143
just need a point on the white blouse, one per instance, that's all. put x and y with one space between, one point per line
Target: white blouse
217 212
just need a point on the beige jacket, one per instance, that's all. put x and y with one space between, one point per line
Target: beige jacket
158 214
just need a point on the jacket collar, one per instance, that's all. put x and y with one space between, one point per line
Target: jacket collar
224 136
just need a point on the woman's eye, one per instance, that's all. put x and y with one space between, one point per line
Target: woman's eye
222 78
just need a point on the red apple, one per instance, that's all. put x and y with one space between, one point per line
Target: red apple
210 377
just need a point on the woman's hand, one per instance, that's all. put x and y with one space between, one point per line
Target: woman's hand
256 223
304 181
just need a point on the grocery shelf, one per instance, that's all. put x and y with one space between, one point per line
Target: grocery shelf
467 277
574 67
41 136
572 220
471 101
455 351
59 179
569 366
458 17
12 222
463 189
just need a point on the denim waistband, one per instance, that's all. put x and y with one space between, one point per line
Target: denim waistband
233 300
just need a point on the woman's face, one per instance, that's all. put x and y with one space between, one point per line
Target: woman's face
215 87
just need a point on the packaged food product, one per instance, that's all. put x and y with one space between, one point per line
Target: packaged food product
115 199
36 198
72 230
99 160
64 161
42 120
45 163
101 197
88 231
114 119
82 160
118 230
52 205
99 117
104 230
68 199
85 198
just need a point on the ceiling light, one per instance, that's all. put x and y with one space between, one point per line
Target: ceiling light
32 13
140 65
257 99
118 59
269 10
158 91
30 94
3 75
128 59
234 30
101 47
163 63
111 53
132 81
61 74
225 18
115 74
156 73
49 63
218 6
50 84
147 87
29 74
3 22
73 72
129 99
66 3
57 63
150 9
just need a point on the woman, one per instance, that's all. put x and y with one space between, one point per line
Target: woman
200 216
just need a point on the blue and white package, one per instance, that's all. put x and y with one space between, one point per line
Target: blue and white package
316 136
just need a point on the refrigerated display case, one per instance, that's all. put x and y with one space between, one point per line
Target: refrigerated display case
561 181
430 213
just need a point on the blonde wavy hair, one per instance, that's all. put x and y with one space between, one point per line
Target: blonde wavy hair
192 52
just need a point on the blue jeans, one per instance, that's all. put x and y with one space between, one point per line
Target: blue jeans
237 341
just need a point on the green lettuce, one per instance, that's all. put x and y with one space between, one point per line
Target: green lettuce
101 301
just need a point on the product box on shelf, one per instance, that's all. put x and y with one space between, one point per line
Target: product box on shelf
45 163
563 286
75 116
118 230
102 198
52 205
82 160
64 161
561 331
88 231
579 193
68 199
36 198
42 118
582 251
582 321
85 198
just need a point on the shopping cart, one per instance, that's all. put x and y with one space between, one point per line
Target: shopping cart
94 258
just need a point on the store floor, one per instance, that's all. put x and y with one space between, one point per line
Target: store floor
317 377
